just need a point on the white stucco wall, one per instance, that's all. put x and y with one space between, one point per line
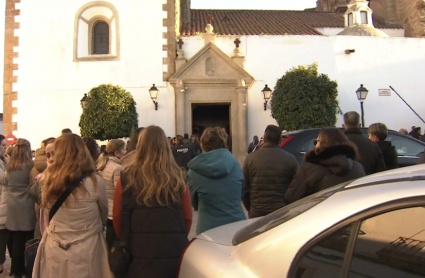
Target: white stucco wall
51 84
2 22
377 63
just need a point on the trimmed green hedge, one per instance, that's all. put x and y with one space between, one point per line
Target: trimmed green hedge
303 97
110 113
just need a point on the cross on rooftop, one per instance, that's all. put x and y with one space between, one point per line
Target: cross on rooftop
237 42
210 18
180 43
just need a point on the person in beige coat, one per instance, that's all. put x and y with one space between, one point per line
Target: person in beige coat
4 158
109 167
73 244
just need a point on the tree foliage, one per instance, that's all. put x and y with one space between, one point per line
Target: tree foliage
110 113
303 97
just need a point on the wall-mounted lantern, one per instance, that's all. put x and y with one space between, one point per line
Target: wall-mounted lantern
361 96
153 91
267 93
83 101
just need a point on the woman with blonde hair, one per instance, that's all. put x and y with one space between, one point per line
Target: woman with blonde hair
109 167
215 180
73 244
161 212
20 217
334 160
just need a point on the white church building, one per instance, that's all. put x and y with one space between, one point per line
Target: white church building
210 66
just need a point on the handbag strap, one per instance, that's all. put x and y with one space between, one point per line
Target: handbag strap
126 209
62 198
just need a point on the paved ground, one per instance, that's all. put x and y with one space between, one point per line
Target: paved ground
192 233
6 267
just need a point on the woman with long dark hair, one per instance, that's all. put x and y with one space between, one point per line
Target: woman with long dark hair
20 219
73 244
161 212
333 161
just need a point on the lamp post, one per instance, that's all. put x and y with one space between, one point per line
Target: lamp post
361 96
153 91
83 101
266 94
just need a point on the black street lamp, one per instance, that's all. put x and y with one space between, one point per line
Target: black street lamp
83 101
361 96
153 91
267 93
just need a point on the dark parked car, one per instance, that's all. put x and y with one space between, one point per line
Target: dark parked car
409 149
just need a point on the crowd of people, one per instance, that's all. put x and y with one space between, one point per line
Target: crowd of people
155 181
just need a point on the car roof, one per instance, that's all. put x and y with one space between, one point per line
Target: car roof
406 173
364 129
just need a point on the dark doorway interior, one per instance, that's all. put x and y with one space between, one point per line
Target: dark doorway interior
210 115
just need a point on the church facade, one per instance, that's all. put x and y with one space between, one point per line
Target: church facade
210 66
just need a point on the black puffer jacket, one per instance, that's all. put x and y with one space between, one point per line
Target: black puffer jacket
389 154
330 167
370 156
267 175
157 239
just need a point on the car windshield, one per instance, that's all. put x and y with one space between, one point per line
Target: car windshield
284 214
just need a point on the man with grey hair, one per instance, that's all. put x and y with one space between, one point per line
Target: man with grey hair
370 155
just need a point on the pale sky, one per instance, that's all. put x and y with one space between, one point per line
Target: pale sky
254 4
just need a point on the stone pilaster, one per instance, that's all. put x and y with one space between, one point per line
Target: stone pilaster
172 22
11 41
242 143
179 90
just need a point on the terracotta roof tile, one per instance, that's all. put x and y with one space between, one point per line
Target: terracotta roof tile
268 22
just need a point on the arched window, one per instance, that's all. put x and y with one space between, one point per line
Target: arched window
96 33
100 38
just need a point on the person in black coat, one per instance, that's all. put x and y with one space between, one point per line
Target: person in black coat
253 144
370 156
416 132
183 153
267 175
332 162
378 133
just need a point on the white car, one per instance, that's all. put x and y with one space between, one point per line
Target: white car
370 227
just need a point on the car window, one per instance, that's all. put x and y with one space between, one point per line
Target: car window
308 143
284 214
326 258
391 245
406 147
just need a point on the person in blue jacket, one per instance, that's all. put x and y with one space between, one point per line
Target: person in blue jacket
215 181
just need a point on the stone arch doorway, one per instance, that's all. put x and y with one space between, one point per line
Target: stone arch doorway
206 115
212 78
